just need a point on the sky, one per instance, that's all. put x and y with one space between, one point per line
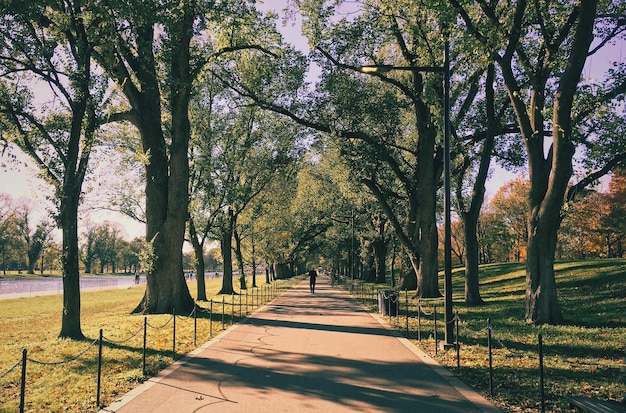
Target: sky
21 181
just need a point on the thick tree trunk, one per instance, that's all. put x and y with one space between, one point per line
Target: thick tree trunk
227 256
408 278
542 305
166 214
70 320
239 255
428 275
472 281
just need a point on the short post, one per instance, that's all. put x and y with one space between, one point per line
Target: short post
174 334
223 311
541 388
211 318
622 370
99 370
490 357
435 328
419 321
458 343
232 308
145 331
23 381
406 299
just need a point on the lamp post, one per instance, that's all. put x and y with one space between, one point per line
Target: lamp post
447 243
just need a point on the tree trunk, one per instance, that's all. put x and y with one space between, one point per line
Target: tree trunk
200 267
379 247
542 305
200 270
472 281
239 255
428 275
549 175
407 279
226 243
70 320
470 218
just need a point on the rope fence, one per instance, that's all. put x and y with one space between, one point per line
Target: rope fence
423 321
248 302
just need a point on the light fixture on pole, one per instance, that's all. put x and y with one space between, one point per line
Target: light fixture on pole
447 243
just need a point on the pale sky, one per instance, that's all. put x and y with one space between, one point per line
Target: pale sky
22 182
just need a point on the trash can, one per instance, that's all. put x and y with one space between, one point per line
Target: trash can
388 302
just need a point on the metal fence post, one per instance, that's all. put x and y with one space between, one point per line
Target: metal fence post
406 299
490 357
174 334
145 333
23 381
99 370
541 384
419 321
435 328
458 343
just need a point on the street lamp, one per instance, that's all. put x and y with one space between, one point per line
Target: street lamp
447 243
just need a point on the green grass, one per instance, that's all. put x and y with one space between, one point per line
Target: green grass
581 357
34 324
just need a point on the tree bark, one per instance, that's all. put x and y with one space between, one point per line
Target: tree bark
226 243
200 266
70 319
239 255
166 182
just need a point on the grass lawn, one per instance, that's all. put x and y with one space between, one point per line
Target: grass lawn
55 385
581 357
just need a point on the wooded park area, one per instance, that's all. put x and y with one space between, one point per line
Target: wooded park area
293 157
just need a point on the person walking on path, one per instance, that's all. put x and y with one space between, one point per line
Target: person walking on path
312 277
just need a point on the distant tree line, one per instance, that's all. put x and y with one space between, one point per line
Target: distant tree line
593 225
31 249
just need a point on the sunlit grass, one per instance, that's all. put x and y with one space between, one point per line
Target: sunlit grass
581 357
34 324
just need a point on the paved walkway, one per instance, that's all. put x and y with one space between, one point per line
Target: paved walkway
305 352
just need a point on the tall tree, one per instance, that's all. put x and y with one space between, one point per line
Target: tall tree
398 160
155 51
50 44
541 49
152 70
